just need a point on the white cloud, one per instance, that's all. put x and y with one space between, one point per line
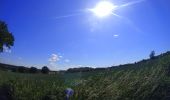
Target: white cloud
52 61
53 66
116 35
60 56
67 60
54 58
80 65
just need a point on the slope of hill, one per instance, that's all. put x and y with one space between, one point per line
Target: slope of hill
7 67
144 80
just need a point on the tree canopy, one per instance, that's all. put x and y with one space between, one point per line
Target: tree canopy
33 70
152 55
6 37
45 70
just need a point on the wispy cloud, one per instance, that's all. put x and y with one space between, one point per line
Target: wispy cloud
116 35
66 16
132 3
67 60
54 58
60 56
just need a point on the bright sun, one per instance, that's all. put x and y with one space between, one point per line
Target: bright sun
103 9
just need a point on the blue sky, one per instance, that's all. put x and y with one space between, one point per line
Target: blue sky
43 37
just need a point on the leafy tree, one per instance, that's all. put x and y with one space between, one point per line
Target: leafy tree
6 38
33 70
45 70
152 55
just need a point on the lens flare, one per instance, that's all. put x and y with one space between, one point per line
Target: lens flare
103 9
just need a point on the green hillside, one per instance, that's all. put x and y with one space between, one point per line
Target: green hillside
143 80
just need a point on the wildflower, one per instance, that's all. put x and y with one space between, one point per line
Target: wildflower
69 92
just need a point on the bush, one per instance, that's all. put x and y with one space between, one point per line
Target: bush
152 55
45 70
33 70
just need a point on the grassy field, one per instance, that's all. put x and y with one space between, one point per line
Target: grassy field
145 80
32 86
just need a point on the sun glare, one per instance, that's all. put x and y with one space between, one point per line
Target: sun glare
103 9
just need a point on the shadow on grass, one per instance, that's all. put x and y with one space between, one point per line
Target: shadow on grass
6 92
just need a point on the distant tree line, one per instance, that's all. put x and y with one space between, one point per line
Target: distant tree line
81 69
46 70
22 69
85 69
33 70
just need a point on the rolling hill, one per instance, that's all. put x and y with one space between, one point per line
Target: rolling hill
144 80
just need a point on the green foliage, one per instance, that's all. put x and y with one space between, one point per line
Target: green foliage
33 70
152 55
6 38
45 70
32 86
